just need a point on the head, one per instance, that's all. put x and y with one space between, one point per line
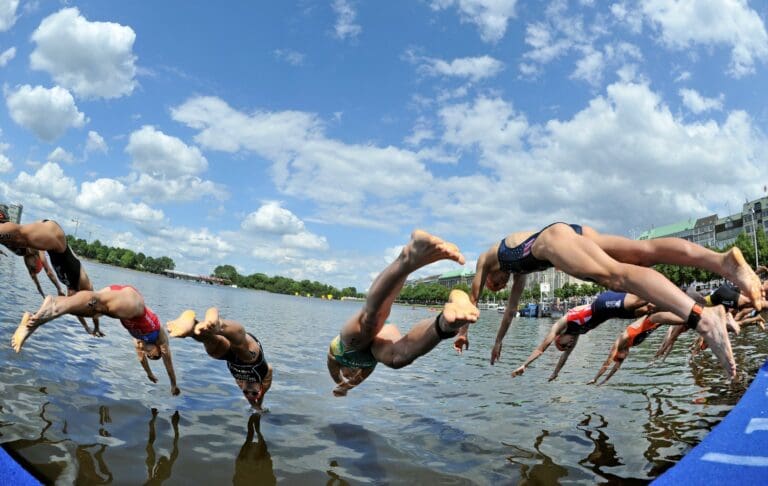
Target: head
151 350
496 280
252 391
345 377
565 342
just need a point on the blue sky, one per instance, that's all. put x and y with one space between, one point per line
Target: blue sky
308 138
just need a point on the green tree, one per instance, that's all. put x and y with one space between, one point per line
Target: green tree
228 273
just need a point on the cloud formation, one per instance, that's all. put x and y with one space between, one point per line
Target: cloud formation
48 113
93 59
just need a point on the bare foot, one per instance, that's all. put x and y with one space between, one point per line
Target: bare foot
45 313
738 271
458 312
24 330
183 325
211 324
425 248
712 327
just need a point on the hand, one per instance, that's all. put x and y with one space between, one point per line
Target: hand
552 377
97 332
61 294
519 371
461 343
496 353
592 381
152 378
175 390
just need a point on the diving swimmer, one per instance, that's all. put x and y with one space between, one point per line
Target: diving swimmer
366 339
228 340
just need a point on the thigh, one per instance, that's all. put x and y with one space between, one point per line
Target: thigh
384 340
575 254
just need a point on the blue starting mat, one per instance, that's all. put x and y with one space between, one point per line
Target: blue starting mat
12 473
736 451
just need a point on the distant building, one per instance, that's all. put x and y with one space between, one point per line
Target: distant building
714 231
13 211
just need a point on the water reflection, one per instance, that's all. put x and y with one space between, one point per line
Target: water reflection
537 467
254 464
158 470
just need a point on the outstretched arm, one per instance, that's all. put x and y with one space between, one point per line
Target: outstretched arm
33 276
563 358
165 352
144 362
557 328
461 341
518 285
49 272
611 356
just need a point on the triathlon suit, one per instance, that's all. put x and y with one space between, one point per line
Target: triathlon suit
144 328
637 334
607 305
351 358
726 295
67 266
255 371
520 259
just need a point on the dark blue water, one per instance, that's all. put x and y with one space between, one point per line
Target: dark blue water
81 410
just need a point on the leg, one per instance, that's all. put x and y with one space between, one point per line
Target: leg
421 250
677 251
396 352
40 235
582 257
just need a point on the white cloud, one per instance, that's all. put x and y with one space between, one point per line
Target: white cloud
8 14
472 68
183 188
159 154
5 164
489 123
7 55
59 155
49 182
590 67
345 20
699 104
272 218
93 59
95 143
306 241
294 58
491 16
305 163
625 150
630 16
109 198
712 22
46 112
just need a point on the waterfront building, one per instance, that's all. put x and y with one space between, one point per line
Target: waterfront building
13 211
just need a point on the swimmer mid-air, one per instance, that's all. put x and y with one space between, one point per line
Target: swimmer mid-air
619 264
580 320
48 236
119 302
227 340
366 340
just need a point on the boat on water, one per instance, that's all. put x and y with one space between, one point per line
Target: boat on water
501 309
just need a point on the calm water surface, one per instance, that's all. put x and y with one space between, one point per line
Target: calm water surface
81 410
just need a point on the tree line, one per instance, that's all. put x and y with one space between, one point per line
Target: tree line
283 285
119 257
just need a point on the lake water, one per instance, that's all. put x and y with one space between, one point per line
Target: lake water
81 410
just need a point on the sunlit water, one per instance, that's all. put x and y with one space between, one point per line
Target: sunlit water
81 410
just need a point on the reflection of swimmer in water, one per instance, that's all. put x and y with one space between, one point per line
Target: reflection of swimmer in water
366 340
48 236
119 302
616 263
254 464
158 470
227 340
565 331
